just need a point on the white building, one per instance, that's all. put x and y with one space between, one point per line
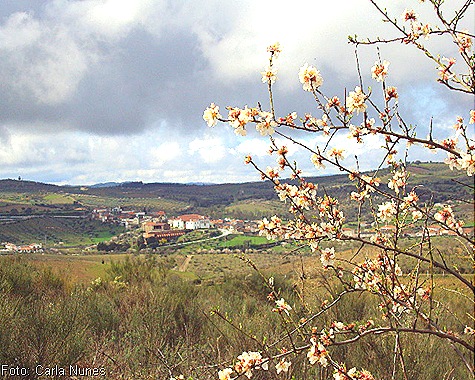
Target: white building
190 222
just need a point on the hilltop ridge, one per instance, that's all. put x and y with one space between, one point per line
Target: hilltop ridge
434 181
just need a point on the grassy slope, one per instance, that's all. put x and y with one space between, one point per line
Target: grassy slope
71 232
214 267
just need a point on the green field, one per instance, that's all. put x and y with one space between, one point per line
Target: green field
130 202
283 259
77 269
244 241
255 209
58 199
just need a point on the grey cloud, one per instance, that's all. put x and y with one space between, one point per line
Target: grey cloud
142 82
157 73
121 86
32 6
4 135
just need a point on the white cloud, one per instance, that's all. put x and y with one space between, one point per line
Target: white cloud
115 14
307 31
121 66
46 58
257 147
110 19
31 150
20 30
315 32
210 150
165 152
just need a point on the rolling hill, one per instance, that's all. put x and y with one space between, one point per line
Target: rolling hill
435 181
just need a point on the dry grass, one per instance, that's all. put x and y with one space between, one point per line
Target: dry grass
144 309
78 269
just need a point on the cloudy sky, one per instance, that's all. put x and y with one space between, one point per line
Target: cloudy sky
114 90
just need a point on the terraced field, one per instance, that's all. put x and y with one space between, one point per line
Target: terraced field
56 231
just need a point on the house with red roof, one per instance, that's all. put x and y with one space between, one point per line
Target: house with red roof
190 222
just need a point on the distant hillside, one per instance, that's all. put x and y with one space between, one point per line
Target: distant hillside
434 180
13 185
253 199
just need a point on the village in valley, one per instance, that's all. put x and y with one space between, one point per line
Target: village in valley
137 217
153 228
156 228
159 225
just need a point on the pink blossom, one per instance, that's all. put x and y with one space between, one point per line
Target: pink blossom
317 160
337 153
238 118
469 331
355 196
358 131
333 102
464 42
225 374
416 215
328 257
387 211
266 124
282 366
356 101
289 119
282 306
274 49
211 115
380 70
444 70
467 162
398 180
370 182
446 216
310 77
409 15
391 93
317 353
449 143
269 75
249 361
452 161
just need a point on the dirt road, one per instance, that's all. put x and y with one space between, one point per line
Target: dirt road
184 265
